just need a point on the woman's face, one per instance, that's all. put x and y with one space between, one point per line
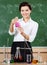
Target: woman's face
25 11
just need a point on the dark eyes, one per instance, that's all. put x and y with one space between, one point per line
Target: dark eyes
26 10
23 10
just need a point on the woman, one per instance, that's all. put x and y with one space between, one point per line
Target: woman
23 34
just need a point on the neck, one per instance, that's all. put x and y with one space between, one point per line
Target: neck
26 19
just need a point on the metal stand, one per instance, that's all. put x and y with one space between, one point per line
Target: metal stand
18 54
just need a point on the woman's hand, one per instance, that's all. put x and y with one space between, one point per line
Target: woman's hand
14 20
12 23
20 29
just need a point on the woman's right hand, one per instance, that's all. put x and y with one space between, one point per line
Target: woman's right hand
13 21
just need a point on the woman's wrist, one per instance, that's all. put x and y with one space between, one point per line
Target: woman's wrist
25 36
11 27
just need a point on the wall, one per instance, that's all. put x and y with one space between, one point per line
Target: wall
9 10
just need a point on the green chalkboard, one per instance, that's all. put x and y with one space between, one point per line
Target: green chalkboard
9 10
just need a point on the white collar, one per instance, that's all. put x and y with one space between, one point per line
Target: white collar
27 21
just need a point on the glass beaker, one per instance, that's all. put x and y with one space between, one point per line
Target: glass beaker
28 59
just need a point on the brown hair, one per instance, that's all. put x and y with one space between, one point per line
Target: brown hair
24 4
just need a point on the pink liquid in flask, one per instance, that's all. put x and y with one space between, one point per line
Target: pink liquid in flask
17 24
